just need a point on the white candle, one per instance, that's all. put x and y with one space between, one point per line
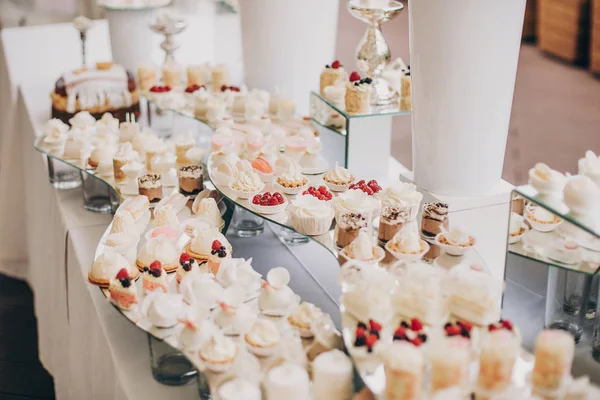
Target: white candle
332 376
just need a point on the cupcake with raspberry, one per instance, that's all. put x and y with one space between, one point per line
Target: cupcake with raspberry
218 253
186 265
155 278
122 290
331 74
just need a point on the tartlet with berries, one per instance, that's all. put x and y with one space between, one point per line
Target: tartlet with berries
321 193
269 203
291 184
218 253
370 188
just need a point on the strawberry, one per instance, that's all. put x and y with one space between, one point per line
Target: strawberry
155 265
371 340
507 324
122 274
184 257
374 326
336 64
466 325
417 341
354 76
416 325
273 201
453 330
492 327
216 245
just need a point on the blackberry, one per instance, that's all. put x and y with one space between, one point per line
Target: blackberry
360 341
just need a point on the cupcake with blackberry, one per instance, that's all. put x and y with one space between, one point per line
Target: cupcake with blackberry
358 93
123 293
186 264
155 278
331 74
218 253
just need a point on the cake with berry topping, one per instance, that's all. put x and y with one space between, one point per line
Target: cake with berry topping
358 94
122 291
331 74
404 372
106 87
369 188
158 92
155 278
186 264
412 331
367 336
218 253
190 179
458 328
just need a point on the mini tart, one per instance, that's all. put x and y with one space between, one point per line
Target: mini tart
531 217
134 275
218 366
517 234
337 186
378 254
290 187
442 240
167 267
408 257
245 194
260 350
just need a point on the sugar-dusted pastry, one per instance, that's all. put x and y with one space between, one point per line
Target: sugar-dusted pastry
338 179
546 180
499 353
310 216
158 249
302 318
122 291
331 74
106 267
449 363
200 289
407 246
358 94
146 76
123 243
276 297
239 388
581 195
419 294
234 316
455 242
434 219
263 338
404 372
218 352
288 381
362 249
150 186
123 223
186 265
554 350
201 246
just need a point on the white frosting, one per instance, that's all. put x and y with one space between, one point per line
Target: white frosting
239 388
247 181
195 333
218 348
305 314
581 194
400 194
207 208
199 288
163 309
288 381
276 294
108 265
82 120
55 126
457 237
336 94
158 249
107 125
590 166
406 241
201 244
234 316
546 180
263 333
369 300
361 248
125 152
542 214
237 271
339 174
404 356
356 201
261 96
332 376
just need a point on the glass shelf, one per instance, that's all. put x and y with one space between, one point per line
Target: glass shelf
375 111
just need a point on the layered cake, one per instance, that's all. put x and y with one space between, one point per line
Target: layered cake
331 75
554 350
404 372
434 219
449 363
107 87
190 179
358 93
498 356
150 186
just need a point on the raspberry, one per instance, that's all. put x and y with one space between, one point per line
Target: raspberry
336 64
273 201
374 326
155 265
360 332
416 325
184 257
453 330
122 274
507 324
216 245
400 332
264 202
464 324
256 199
368 191
371 340
416 341
354 76
267 194
492 327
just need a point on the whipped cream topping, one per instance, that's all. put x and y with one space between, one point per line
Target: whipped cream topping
218 349
541 214
163 309
238 271
407 241
314 148
361 248
400 194
55 128
476 287
355 201
108 265
457 237
590 165
82 120
305 314
108 124
542 177
165 215
339 175
123 222
201 244
207 208
310 207
435 211
195 155
263 333
125 152
196 332
247 181
158 249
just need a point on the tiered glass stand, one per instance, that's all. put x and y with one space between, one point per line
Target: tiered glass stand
547 286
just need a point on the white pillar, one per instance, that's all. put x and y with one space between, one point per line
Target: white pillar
464 57
286 43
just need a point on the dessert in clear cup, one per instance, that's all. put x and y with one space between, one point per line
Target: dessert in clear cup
358 94
302 318
516 228
218 352
546 180
455 242
331 74
362 249
154 278
276 298
449 363
338 179
186 265
517 204
269 203
263 338
407 246
581 195
434 219
158 249
246 184
357 201
348 225
218 253
541 219
122 291
124 155
402 196
150 185
404 372
419 294
589 166
106 267
310 216
183 143
554 351
190 179
234 316
201 245
391 221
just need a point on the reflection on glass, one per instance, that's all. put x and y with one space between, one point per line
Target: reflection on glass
246 224
97 195
169 366
61 175
381 110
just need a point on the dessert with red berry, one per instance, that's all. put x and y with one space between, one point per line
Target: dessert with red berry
358 93
193 88
412 331
331 75
225 88
458 328
155 278
369 188
320 193
269 203
366 336
502 324
186 265
159 90
218 253
122 291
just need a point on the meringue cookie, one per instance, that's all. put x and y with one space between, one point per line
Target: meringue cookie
163 310
198 288
581 195
276 296
546 180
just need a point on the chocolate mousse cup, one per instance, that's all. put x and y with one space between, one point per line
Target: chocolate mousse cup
347 228
190 179
391 221
434 219
150 186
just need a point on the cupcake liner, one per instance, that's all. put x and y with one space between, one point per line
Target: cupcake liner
343 258
290 191
240 194
269 210
334 187
310 225
516 239
450 249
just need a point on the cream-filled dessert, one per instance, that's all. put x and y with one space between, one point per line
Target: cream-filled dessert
150 185
541 219
331 74
554 351
238 272
590 166
76 146
419 294
312 162
404 372
246 184
290 180
546 180
403 197
218 254
196 331
186 266
183 143
288 381
122 291
263 337
158 249
263 168
218 352
336 94
138 206
207 208
303 317
123 243
163 310
348 225
338 179
369 300
200 289
455 242
201 245
106 267
391 221
310 216
358 93
234 316
190 179
406 245
155 278
362 249
434 219
276 297
581 195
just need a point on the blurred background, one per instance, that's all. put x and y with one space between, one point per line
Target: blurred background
556 106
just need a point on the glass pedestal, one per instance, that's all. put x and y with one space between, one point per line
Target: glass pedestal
169 366
62 175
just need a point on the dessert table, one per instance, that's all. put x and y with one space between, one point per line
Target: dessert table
89 348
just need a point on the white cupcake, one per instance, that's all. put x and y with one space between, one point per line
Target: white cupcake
303 317
263 338
310 216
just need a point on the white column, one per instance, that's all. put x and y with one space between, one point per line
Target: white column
286 43
464 57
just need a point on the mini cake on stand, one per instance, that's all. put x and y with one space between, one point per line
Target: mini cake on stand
358 94
331 75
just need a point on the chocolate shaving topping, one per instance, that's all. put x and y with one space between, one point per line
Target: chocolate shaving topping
435 211
395 214
353 221
149 178
191 168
